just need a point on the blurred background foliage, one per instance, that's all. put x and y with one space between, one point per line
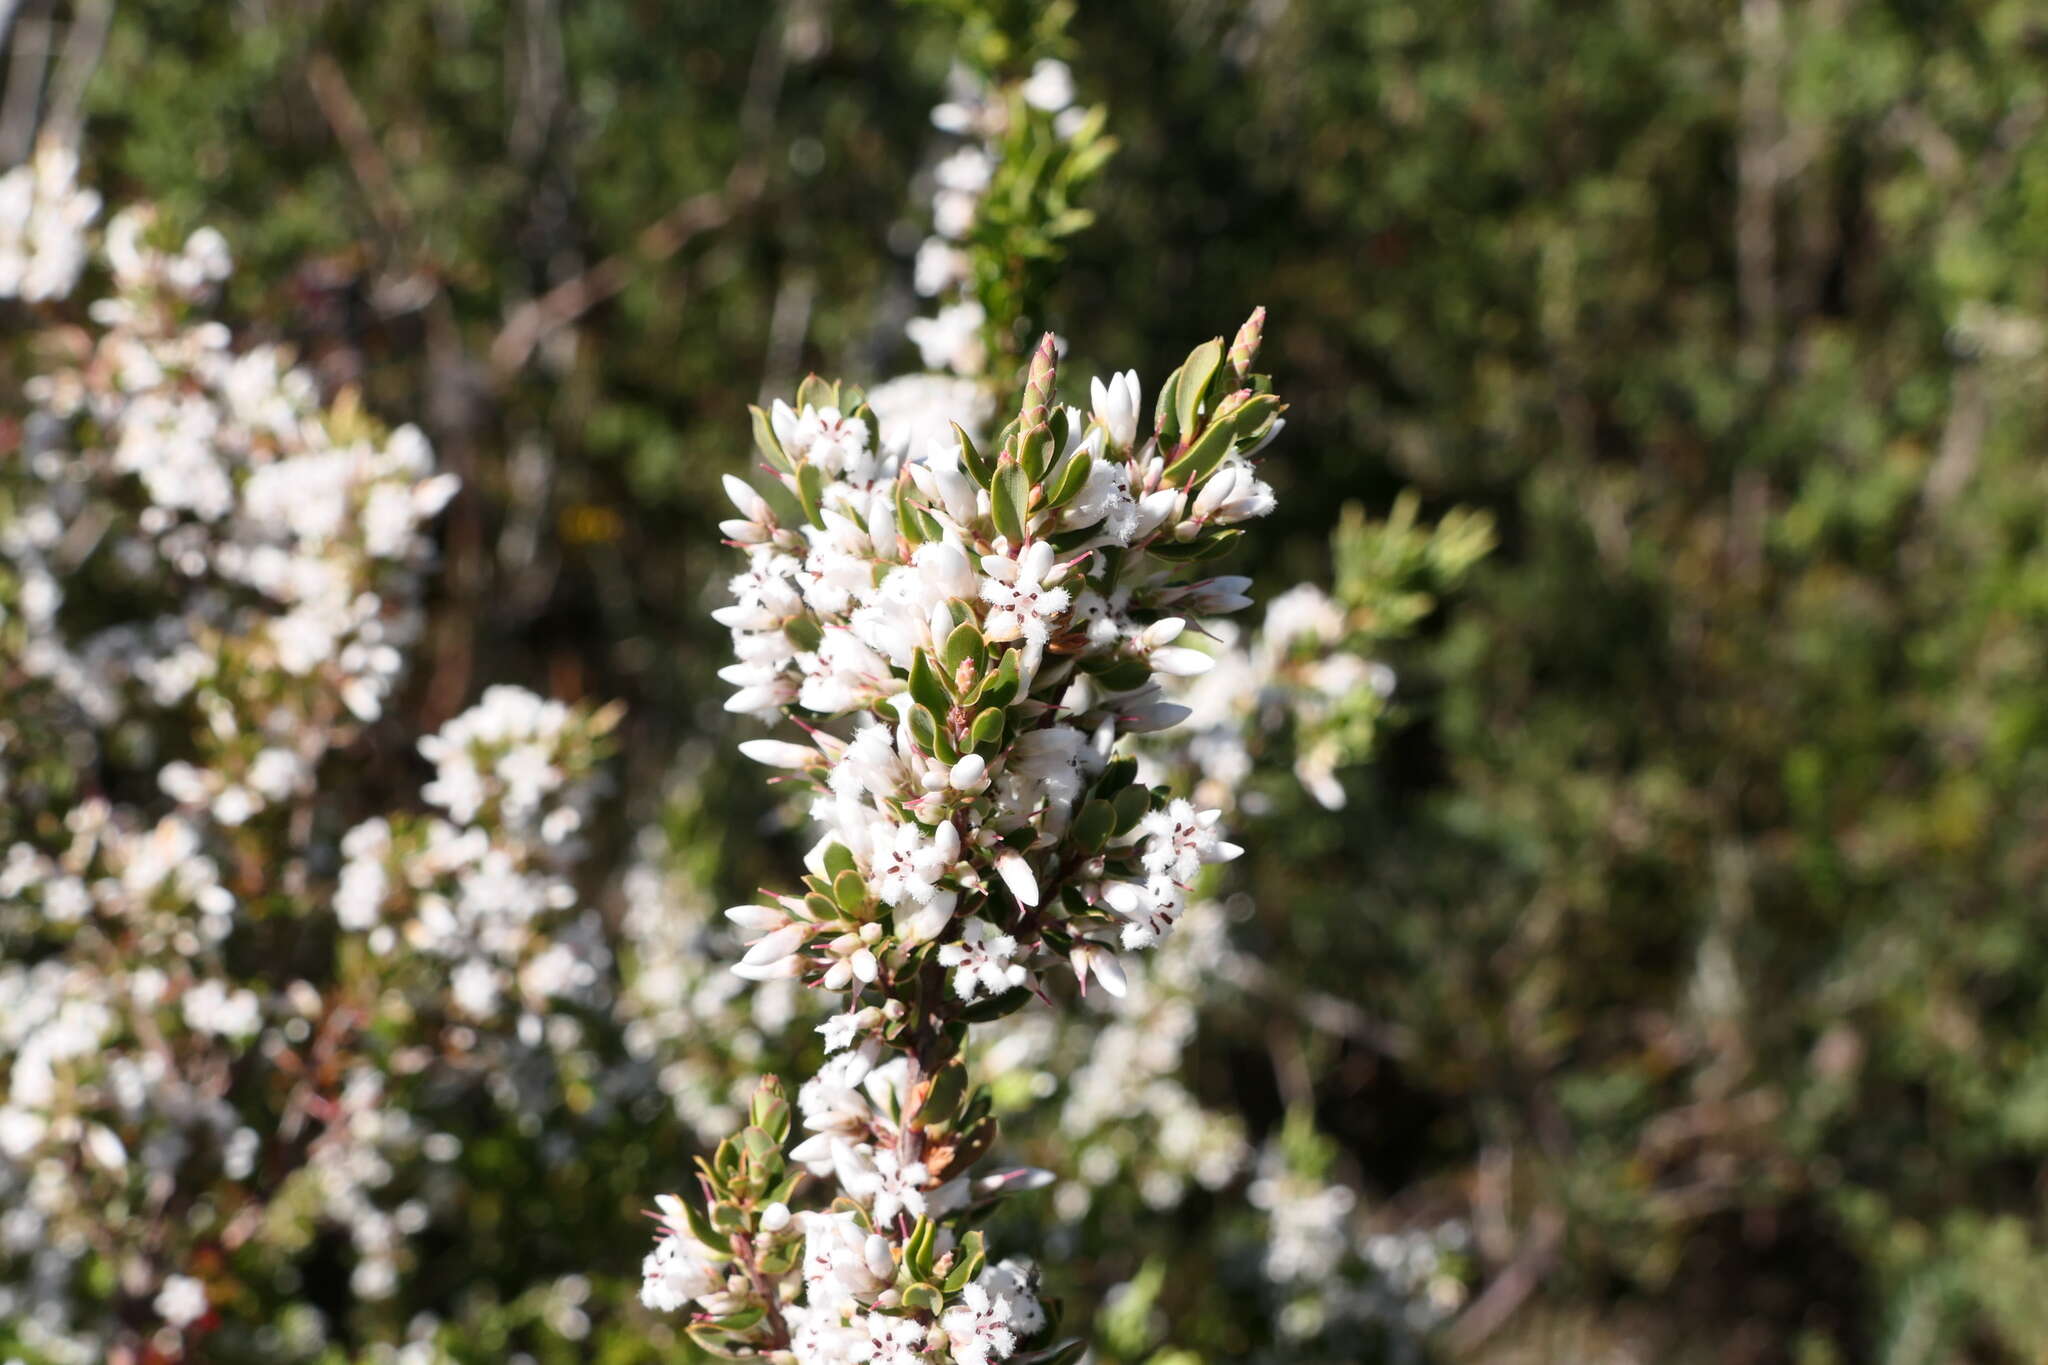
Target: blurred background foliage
1690 910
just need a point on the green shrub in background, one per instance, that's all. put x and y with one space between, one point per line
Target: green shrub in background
1691 913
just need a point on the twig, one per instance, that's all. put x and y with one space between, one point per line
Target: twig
1324 1013
29 56
344 114
8 9
534 321
658 241
1512 1286
83 44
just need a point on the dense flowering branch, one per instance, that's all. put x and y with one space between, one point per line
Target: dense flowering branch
966 639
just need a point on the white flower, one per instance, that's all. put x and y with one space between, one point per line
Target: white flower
1179 840
210 1007
43 220
982 961
841 1030
967 169
917 412
680 1268
909 863
879 1179
181 1302
1104 500
895 1341
952 340
1116 405
1051 87
842 1262
939 266
836 444
1026 604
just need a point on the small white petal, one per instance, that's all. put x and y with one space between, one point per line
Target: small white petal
1177 662
776 753
777 945
1017 875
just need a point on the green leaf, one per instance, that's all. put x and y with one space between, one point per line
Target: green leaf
770 1112
1073 477
948 1088
1255 418
804 632
762 1149
713 1338
765 442
927 688
979 468
1094 823
1001 688
995 1007
1164 420
1124 675
1130 806
925 1297
1008 498
924 729
851 893
816 393
1195 375
810 491
1213 541
968 1259
745 1318
775 492
838 858
701 1229
1034 449
1205 454
1119 773
917 1252
909 524
963 644
986 734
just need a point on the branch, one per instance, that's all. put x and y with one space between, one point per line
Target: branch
664 237
344 114
540 318
1512 1286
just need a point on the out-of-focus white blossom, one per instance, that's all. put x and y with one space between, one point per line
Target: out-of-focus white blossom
44 219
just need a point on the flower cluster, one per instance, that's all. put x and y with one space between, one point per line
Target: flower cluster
208 578
45 216
483 888
967 640
268 548
1337 1279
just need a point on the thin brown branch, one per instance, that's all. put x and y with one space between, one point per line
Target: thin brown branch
1512 1287
659 240
344 114
28 58
533 322
84 43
